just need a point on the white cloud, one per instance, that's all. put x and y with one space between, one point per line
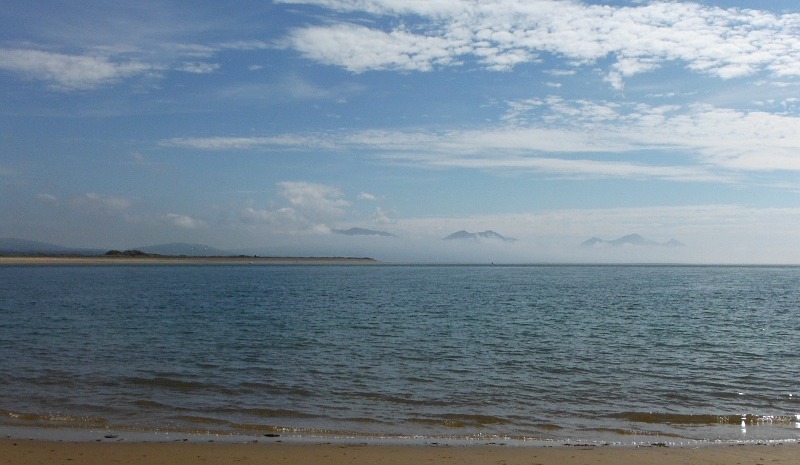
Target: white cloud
382 216
366 196
359 48
582 168
110 202
247 143
47 197
99 65
313 208
244 45
282 215
721 137
726 43
184 221
561 72
198 67
317 202
68 72
292 86
547 135
718 138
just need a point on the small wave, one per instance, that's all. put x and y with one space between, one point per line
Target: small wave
148 404
266 412
547 426
250 427
702 419
204 420
461 420
66 420
631 432
396 399
169 383
363 420
220 426
207 366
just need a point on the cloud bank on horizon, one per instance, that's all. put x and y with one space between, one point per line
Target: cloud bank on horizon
270 125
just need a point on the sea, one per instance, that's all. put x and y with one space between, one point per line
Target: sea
472 354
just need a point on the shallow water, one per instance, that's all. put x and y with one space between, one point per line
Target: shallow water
582 353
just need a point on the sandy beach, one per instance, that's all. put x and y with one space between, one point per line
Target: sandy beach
23 452
163 260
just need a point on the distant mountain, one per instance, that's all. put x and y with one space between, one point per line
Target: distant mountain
182 248
362 232
592 241
461 235
631 239
11 245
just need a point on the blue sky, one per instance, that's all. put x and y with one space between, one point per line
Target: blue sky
267 125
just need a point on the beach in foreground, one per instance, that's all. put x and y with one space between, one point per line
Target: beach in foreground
22 452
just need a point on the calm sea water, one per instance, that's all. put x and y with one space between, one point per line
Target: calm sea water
583 353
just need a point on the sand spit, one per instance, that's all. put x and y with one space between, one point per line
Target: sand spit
185 260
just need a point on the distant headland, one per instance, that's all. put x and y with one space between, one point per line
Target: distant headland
21 251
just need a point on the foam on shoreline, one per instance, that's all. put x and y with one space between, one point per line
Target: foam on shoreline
132 435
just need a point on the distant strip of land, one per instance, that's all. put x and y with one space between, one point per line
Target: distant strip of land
145 259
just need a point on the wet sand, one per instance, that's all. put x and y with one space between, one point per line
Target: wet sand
155 260
23 451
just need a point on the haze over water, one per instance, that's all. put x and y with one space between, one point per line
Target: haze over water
579 353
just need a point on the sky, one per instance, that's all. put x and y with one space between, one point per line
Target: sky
269 125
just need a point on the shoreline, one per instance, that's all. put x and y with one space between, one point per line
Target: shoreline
133 434
178 260
33 451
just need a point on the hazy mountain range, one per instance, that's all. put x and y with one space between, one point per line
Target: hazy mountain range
11 245
14 246
464 235
631 240
362 232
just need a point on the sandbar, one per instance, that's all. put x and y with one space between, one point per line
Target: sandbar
165 260
24 451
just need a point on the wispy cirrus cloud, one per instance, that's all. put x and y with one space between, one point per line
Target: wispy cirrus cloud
502 33
49 198
92 202
581 138
722 137
110 202
184 221
197 67
69 72
583 168
81 46
247 143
